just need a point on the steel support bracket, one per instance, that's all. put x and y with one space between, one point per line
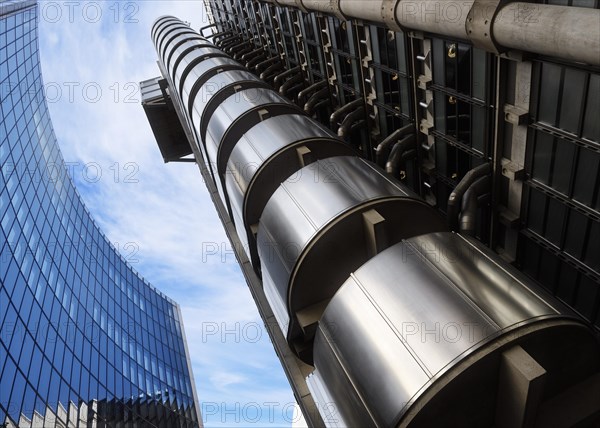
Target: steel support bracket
512 171
515 115
479 24
424 82
425 126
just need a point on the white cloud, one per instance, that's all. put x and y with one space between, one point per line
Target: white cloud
164 211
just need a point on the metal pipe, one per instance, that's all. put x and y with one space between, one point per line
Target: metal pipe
282 76
219 35
382 150
255 60
369 10
345 109
296 88
571 33
206 27
312 88
470 204
249 55
243 44
238 55
264 64
315 100
434 16
227 44
396 158
349 120
292 82
270 71
567 32
457 194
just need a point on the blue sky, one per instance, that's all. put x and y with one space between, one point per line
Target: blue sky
160 216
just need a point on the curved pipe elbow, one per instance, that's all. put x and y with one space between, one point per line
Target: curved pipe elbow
346 126
314 88
266 63
383 149
247 47
254 59
344 110
398 157
470 204
252 54
318 99
270 71
292 82
457 194
280 78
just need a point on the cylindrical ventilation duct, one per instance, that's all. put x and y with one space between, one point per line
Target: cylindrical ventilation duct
441 323
257 138
323 223
268 154
232 118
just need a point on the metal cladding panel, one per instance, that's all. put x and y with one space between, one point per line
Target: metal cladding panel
231 119
199 75
266 156
189 60
190 52
351 323
420 308
166 34
160 22
315 221
213 85
231 110
161 28
185 45
174 40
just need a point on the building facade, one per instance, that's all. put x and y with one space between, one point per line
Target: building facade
85 341
412 190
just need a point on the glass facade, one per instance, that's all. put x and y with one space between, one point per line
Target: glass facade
84 339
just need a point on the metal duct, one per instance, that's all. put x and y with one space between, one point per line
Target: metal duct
215 90
268 154
436 317
199 76
323 223
231 119
179 53
189 60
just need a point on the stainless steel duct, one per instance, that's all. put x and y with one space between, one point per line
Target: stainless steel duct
188 45
217 88
231 119
323 223
418 337
269 154
189 60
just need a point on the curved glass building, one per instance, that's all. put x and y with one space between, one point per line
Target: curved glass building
84 340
